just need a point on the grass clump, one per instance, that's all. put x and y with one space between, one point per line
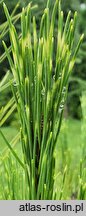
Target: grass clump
39 87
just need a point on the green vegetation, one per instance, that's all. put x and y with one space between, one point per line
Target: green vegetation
69 157
39 164
9 133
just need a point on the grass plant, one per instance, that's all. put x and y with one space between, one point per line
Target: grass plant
39 88
68 155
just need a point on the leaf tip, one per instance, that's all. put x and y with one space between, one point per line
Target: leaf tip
82 37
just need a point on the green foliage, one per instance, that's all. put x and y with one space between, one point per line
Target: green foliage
70 169
12 184
4 83
39 90
74 104
80 66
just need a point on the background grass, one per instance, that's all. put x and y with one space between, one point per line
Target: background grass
9 132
